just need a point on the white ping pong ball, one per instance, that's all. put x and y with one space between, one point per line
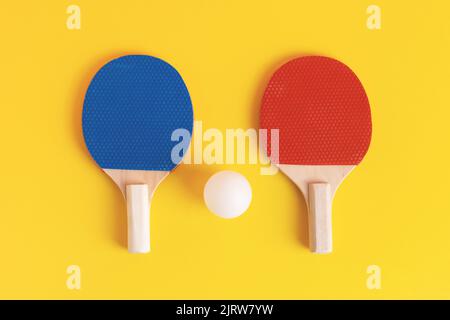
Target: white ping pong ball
227 194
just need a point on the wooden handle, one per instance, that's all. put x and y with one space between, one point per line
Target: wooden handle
138 208
320 238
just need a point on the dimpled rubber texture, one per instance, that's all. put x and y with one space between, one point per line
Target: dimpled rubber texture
321 110
132 106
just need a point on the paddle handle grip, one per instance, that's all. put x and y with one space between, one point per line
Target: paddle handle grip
138 211
319 203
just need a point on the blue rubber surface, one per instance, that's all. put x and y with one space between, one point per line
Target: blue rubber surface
132 106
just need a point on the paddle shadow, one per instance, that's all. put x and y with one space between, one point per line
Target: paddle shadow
299 217
120 215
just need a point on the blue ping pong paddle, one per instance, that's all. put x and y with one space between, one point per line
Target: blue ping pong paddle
132 108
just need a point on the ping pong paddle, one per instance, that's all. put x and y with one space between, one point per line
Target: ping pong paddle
132 106
323 118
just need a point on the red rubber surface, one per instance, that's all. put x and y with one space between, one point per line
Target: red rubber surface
321 110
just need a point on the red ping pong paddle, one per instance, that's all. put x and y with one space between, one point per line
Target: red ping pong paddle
323 116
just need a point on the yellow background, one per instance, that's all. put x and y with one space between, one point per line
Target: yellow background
58 208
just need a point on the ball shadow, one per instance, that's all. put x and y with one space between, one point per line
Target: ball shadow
194 177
